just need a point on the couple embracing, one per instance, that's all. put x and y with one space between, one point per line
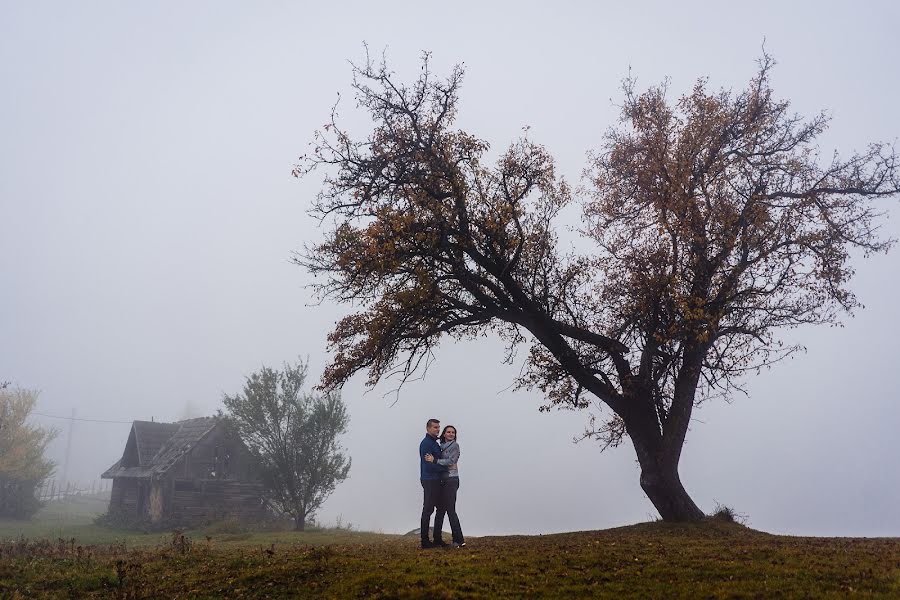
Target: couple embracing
438 455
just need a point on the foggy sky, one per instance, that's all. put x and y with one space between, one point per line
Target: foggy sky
148 217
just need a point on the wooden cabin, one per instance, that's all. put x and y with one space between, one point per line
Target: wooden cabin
186 473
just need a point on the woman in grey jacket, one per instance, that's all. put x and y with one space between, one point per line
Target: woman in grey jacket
449 486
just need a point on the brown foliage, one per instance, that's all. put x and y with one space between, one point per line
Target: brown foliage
716 225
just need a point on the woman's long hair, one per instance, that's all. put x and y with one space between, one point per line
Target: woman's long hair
445 431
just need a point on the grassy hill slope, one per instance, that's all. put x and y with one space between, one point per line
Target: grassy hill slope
652 560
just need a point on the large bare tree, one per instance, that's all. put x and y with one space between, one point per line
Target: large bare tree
715 225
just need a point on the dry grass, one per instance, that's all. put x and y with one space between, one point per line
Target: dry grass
653 560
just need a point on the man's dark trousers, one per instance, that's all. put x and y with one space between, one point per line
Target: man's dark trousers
430 498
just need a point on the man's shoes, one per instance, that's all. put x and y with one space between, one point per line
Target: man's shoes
426 545
440 544
462 545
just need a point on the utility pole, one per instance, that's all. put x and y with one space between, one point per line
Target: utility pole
68 448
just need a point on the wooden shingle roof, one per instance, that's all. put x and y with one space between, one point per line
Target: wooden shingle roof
150 437
188 435
153 448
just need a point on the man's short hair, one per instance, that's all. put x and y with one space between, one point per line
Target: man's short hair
430 421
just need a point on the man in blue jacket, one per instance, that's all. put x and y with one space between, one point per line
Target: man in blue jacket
430 476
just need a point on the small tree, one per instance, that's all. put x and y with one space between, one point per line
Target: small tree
23 467
294 435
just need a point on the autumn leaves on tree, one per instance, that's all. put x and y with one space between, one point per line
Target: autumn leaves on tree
23 467
715 225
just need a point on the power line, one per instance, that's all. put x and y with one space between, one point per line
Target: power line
77 419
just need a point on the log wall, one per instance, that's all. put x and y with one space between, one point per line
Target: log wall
124 494
197 502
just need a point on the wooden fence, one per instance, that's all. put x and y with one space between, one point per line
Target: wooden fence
57 491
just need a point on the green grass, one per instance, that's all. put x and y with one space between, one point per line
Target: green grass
74 518
651 560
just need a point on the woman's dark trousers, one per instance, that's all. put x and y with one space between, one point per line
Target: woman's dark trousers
449 487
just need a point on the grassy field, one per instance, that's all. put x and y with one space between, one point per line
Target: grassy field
74 519
651 560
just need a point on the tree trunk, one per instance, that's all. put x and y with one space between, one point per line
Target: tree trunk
660 480
663 487
299 513
658 445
